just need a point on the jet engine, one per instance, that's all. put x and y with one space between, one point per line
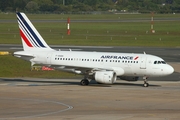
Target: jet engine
106 77
129 78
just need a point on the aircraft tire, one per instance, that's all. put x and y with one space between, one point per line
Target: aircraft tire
84 82
146 84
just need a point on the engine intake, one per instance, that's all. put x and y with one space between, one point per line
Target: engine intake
107 77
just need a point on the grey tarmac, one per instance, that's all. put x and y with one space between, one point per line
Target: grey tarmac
65 99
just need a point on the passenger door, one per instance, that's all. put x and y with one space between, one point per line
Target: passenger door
143 62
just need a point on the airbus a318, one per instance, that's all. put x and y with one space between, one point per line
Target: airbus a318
103 67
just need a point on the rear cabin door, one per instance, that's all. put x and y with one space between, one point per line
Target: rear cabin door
48 58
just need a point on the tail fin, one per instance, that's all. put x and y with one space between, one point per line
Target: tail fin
31 39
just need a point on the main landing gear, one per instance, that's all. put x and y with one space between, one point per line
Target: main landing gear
84 82
146 84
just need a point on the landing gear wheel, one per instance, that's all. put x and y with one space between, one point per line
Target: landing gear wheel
146 84
84 82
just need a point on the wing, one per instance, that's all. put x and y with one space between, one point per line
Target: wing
86 70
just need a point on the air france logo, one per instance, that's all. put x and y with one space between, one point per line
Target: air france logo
119 57
136 58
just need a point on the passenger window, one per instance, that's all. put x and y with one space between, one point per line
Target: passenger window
159 62
155 62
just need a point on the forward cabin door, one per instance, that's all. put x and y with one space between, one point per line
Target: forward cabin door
143 62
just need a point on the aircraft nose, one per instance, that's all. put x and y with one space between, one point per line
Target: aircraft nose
169 70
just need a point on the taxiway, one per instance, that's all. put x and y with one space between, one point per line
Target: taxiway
64 99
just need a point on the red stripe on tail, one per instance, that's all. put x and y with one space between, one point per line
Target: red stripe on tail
25 39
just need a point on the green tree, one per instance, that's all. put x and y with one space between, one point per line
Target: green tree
6 4
32 6
45 5
162 6
19 5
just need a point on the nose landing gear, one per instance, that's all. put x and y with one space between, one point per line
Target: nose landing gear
146 84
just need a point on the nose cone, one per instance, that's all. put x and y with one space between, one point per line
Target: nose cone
169 70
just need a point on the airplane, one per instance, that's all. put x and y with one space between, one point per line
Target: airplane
103 67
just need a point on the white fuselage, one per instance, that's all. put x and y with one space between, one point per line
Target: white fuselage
124 64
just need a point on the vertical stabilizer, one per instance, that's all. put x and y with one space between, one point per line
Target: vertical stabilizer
31 39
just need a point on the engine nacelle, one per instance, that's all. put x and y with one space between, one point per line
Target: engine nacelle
105 77
129 78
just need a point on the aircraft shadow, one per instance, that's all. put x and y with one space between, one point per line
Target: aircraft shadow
66 82
135 84
50 82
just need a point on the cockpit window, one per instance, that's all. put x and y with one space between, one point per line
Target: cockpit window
163 62
159 62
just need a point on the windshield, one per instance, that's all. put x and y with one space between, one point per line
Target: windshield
159 62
